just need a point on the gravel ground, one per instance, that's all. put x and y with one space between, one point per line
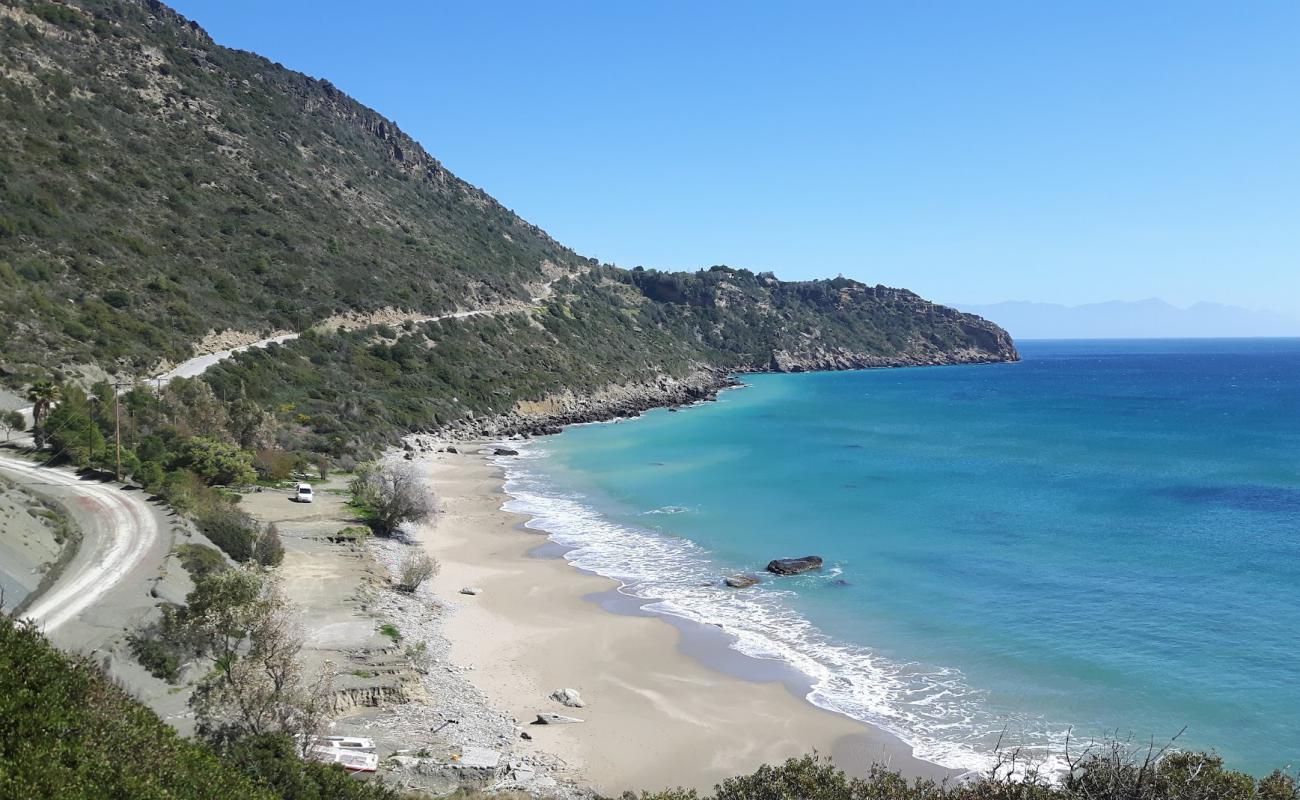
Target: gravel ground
421 749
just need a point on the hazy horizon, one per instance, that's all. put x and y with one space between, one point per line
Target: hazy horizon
1149 318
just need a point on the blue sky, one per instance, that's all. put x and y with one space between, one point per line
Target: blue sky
1065 152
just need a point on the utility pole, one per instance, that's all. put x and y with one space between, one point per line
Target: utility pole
117 426
117 430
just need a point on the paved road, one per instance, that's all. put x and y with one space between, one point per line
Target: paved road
123 534
120 530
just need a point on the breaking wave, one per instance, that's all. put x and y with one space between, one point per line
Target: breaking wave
933 710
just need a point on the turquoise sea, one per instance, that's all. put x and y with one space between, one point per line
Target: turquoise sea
1101 539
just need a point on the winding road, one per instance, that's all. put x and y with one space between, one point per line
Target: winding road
121 530
121 534
199 364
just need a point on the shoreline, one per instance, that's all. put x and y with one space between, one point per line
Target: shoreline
662 692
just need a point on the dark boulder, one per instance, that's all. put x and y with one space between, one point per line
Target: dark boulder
505 451
794 566
740 581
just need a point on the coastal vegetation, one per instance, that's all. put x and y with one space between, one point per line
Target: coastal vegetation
417 568
387 495
70 733
1112 772
67 727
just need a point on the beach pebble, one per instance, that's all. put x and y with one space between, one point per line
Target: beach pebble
471 590
568 697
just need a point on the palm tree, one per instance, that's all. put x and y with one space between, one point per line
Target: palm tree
42 395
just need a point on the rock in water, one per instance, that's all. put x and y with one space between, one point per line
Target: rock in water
554 719
471 590
505 451
741 581
568 697
794 566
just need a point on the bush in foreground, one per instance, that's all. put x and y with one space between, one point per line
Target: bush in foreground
68 733
1111 772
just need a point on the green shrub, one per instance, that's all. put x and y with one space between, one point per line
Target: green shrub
149 474
231 530
60 15
200 560
70 734
216 462
269 550
160 657
1109 772
273 760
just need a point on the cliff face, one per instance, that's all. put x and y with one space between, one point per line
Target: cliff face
156 187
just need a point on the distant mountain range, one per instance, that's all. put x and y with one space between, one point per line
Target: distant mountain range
1151 318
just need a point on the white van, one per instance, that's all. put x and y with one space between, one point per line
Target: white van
303 493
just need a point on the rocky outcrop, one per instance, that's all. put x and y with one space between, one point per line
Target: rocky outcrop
741 581
815 359
794 566
627 400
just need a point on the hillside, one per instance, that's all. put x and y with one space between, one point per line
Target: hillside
156 187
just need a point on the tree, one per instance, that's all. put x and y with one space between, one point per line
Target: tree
42 395
12 421
250 425
217 463
257 684
391 494
149 474
230 529
196 408
417 568
269 550
71 430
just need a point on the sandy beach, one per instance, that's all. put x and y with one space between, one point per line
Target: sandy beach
668 704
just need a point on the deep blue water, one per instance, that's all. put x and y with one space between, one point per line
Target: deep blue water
1105 536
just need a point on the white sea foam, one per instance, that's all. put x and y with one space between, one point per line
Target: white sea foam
667 510
933 710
